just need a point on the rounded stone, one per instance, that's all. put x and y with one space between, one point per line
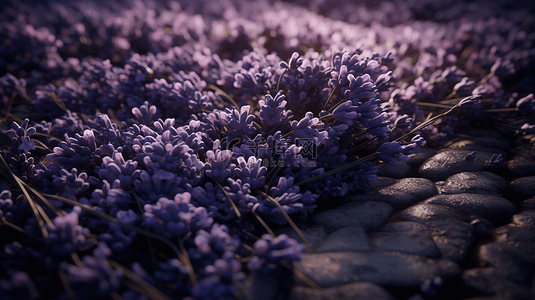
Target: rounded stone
525 219
453 237
495 209
370 215
447 163
521 238
481 144
491 281
352 238
512 263
417 159
357 290
397 171
402 194
474 183
389 269
405 237
523 187
313 234
519 167
528 204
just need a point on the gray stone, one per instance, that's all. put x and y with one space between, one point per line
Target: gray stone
352 238
525 219
495 209
370 215
511 261
397 171
382 182
526 150
453 237
485 144
313 234
519 167
523 239
490 281
523 187
402 194
275 285
474 183
417 159
405 237
450 162
528 204
357 290
392 269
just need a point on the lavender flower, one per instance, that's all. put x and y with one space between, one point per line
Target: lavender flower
271 251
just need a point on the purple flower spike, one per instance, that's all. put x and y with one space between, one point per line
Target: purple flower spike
469 101
274 251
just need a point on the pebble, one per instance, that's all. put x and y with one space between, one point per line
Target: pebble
528 204
390 269
352 238
406 237
491 281
314 234
450 162
519 167
356 290
481 144
382 182
402 194
417 159
525 219
397 171
370 215
474 183
508 262
524 187
495 209
453 237
516 236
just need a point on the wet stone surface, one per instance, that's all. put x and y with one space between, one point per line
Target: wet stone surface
357 290
495 209
475 183
352 238
468 222
486 144
388 269
523 187
369 215
450 162
406 237
401 194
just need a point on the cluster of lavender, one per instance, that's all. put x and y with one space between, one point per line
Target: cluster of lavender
164 138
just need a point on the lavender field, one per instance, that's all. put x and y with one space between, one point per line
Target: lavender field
155 149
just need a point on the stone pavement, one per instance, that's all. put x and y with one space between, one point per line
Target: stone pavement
446 215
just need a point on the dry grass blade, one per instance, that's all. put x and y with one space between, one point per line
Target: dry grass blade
238 214
38 212
264 224
297 230
17 228
66 285
215 88
139 284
